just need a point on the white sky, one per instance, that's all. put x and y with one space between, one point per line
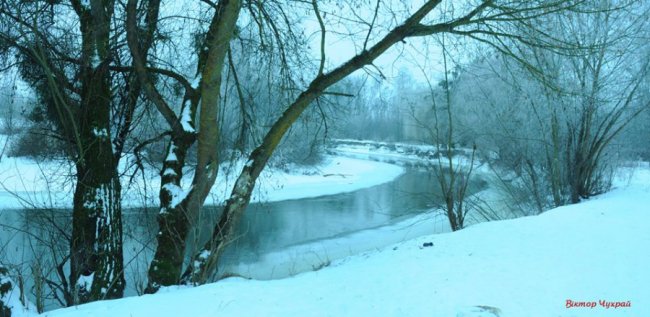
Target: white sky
345 40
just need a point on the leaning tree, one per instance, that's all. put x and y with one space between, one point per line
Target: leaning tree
196 119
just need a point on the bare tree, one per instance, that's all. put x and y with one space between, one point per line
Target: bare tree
605 96
476 22
69 54
180 208
554 129
452 173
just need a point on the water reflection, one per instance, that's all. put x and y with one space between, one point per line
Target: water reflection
265 228
271 226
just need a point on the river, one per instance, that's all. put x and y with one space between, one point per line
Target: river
277 239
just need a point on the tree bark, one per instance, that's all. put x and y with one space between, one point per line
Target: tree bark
203 264
180 208
173 222
96 260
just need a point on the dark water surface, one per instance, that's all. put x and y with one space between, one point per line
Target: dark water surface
26 236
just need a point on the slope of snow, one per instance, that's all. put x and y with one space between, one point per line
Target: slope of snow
593 254
27 183
336 175
402 153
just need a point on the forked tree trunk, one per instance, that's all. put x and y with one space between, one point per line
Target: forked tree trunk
204 263
180 207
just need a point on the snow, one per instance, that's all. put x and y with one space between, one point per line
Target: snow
85 281
401 153
592 252
186 120
204 254
560 263
177 194
100 133
12 298
171 156
28 183
169 172
336 175
94 60
196 81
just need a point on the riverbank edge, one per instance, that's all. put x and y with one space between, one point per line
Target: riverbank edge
26 183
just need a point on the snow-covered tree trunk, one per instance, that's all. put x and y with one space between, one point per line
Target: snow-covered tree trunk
96 270
75 74
180 206
204 263
6 289
173 223
96 260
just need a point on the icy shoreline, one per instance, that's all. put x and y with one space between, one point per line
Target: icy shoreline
26 183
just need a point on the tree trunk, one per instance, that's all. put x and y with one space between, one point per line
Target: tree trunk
203 264
180 208
96 269
173 223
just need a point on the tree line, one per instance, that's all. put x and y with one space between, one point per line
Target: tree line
115 77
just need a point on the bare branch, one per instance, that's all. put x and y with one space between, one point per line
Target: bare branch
322 37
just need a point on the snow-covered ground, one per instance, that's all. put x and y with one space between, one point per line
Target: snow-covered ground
588 259
28 183
400 153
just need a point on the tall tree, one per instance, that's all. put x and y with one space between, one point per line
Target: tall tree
69 53
488 21
179 208
605 93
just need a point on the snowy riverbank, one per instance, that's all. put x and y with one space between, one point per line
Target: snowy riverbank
593 253
28 183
